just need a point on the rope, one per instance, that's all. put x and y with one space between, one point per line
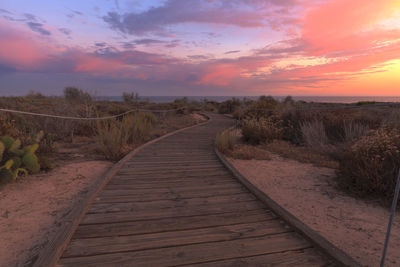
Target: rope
79 118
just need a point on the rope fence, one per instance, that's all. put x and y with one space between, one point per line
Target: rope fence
83 118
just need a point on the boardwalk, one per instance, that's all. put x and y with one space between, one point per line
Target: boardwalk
175 204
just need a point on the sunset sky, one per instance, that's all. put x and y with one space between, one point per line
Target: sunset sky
201 47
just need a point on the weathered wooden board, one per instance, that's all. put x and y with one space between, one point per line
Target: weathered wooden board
174 203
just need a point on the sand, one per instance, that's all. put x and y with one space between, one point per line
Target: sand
356 226
32 207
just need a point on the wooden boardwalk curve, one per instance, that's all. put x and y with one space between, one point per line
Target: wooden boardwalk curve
174 204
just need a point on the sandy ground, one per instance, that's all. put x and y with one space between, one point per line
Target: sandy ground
356 226
32 207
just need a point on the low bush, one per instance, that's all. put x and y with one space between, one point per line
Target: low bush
314 136
143 126
225 141
113 136
370 166
354 130
229 106
262 130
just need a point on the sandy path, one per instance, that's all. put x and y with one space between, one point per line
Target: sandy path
31 208
356 226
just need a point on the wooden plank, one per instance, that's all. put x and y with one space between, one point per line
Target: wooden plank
183 161
171 224
305 257
168 167
196 253
131 185
126 174
162 181
99 207
136 215
172 190
183 170
104 245
144 197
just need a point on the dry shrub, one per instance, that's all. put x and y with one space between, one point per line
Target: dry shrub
247 152
371 164
262 130
354 130
393 119
142 126
314 136
225 141
300 153
113 136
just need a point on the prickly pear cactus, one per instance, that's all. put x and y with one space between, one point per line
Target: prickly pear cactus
15 160
30 161
7 141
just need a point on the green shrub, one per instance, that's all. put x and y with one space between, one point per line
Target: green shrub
262 130
370 166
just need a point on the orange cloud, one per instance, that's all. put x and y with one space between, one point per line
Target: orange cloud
346 25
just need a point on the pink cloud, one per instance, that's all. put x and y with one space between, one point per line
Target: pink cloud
18 49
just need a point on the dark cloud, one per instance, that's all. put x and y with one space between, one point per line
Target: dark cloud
183 11
38 27
3 11
74 13
65 31
202 57
128 45
101 44
77 12
30 17
148 41
232 52
292 46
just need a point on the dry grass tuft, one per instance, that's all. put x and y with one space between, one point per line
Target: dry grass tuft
302 154
247 152
113 136
225 141
314 136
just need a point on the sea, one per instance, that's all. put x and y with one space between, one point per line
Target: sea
319 99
